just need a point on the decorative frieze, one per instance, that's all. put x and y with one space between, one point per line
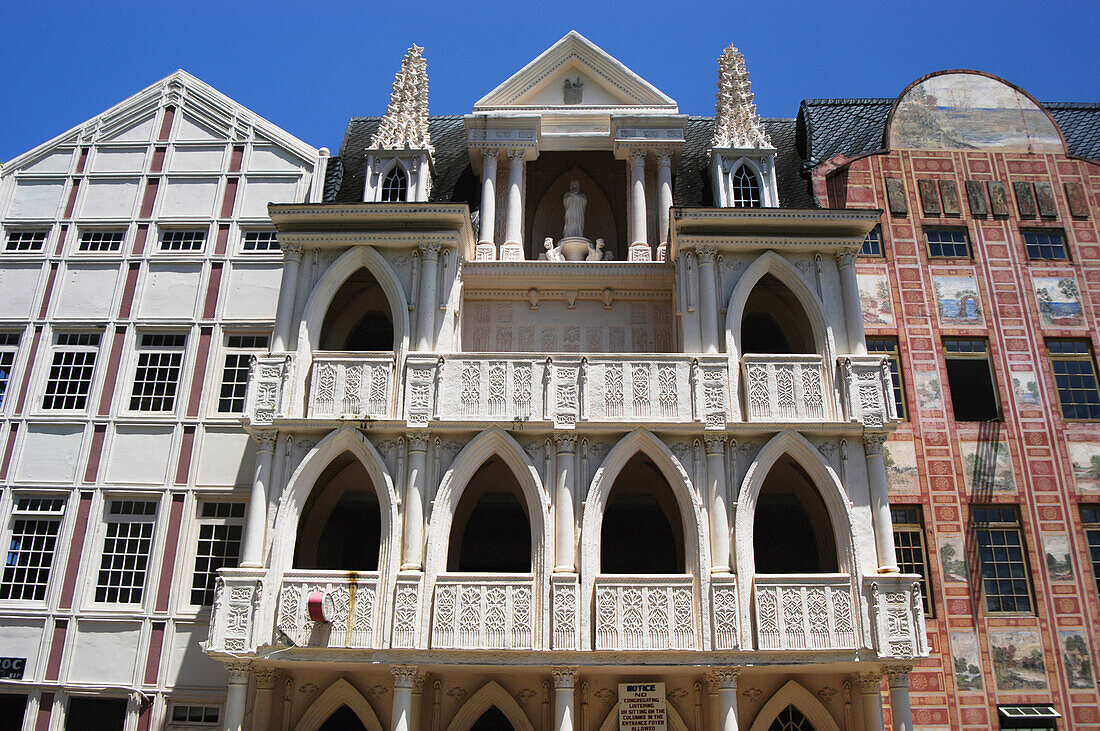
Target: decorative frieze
354 601
635 613
898 616
266 387
785 388
804 613
352 387
483 613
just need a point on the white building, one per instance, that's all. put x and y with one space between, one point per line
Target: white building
599 436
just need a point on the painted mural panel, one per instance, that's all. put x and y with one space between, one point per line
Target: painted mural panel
929 395
1059 301
957 300
1086 465
987 466
1057 556
953 559
874 295
970 111
1075 655
1018 659
901 467
1025 386
967 660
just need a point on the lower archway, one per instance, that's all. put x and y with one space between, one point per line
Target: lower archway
343 719
491 704
793 708
791 719
339 704
492 720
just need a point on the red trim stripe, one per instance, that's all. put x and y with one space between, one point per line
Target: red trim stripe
91 471
157 164
60 249
139 239
12 434
167 568
76 548
150 197
198 379
49 291
223 240
128 291
27 373
211 305
82 160
166 123
71 204
45 707
156 645
230 197
57 649
184 467
111 379
236 159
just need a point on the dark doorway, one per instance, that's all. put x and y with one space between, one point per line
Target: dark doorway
95 714
774 322
344 719
792 533
791 719
492 720
641 532
358 318
490 531
12 708
341 525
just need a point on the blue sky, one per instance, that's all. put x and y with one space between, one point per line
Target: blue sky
308 67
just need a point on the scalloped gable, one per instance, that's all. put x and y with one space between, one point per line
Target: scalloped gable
607 82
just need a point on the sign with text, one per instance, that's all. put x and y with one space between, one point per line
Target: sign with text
11 668
642 707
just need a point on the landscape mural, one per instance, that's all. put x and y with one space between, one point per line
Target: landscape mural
953 559
987 466
874 295
1075 655
1057 557
901 467
1026 387
967 660
957 300
1018 659
1059 301
927 384
1086 465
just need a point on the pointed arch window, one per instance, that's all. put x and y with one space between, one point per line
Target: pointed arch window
791 719
395 186
745 188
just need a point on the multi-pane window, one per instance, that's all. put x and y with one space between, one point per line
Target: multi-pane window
70 376
872 245
156 379
1075 377
194 715
239 350
970 379
1047 243
947 242
1000 542
35 525
9 342
909 548
220 528
395 187
259 241
182 240
100 240
889 348
745 189
31 239
1090 516
126 545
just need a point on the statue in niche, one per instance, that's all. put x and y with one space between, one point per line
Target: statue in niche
574 202
572 91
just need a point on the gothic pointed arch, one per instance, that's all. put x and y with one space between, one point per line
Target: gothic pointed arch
672 716
746 184
490 695
792 693
395 184
340 693
772 263
347 264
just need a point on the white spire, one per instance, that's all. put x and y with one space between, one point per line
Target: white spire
405 125
736 123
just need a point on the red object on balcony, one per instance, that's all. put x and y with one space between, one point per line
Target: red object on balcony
319 606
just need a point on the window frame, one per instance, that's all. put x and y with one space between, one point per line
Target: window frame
396 171
172 725
986 355
32 230
107 519
881 252
9 345
182 230
918 529
259 232
200 520
969 255
227 351
1025 232
140 351
1017 525
1089 358
48 365
736 187
897 377
93 231
58 517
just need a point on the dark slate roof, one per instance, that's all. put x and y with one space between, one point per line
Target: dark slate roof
455 181
852 127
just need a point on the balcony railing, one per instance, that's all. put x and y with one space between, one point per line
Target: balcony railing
645 613
811 612
355 609
867 390
352 386
233 618
786 388
897 615
484 613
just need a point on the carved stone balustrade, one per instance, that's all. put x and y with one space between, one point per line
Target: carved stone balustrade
725 609
267 393
811 612
352 386
897 615
355 605
234 616
484 612
646 613
867 391
786 388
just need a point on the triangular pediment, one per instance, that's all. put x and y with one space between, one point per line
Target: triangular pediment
605 81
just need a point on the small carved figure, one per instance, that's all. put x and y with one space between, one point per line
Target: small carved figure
574 202
553 253
572 91
597 253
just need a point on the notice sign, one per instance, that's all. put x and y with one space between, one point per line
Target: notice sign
11 668
642 707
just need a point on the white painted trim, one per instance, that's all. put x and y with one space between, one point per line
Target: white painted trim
794 694
489 695
340 693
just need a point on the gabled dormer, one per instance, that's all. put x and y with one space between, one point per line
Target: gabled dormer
399 161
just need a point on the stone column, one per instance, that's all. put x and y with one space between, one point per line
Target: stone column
514 228
412 556
255 522
853 309
900 709
236 695
880 503
401 716
637 197
488 213
288 288
417 701
872 700
564 554
716 503
426 306
708 298
565 679
265 691
726 679
664 192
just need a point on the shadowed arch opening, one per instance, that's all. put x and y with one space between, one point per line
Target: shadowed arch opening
491 699
745 188
792 532
341 524
395 186
642 530
358 316
340 703
792 704
791 719
492 720
774 321
491 531
343 719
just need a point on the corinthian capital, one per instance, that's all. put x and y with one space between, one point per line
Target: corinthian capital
715 443
404 676
873 442
564 677
869 682
846 257
292 252
516 155
724 677
637 156
265 440
565 443
430 250
417 441
706 252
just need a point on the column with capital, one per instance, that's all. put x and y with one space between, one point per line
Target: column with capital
871 693
853 308
565 680
237 673
664 193
255 522
404 676
880 502
412 556
637 198
514 224
426 306
564 554
708 297
487 216
265 691
288 287
725 678
716 503
417 701
897 677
